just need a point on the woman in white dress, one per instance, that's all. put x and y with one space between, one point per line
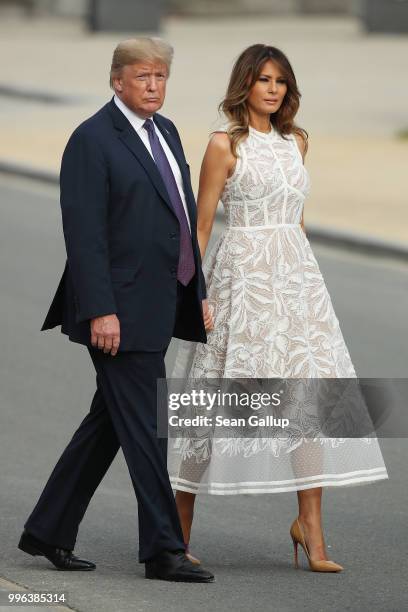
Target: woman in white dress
272 316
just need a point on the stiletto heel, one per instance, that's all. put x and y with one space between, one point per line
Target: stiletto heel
191 558
295 549
322 565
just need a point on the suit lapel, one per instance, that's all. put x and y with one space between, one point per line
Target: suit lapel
175 149
136 146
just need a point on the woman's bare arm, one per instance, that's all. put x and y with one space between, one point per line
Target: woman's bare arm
302 147
217 165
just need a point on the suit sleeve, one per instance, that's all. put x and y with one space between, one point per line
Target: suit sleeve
84 205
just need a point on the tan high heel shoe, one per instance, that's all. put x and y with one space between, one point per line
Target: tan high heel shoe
298 537
191 558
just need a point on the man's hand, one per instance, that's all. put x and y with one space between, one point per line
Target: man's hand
208 318
105 333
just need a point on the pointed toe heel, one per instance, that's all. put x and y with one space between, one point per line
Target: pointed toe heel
323 565
191 557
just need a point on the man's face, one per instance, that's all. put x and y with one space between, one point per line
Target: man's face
142 87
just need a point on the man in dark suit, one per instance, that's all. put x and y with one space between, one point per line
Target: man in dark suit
132 280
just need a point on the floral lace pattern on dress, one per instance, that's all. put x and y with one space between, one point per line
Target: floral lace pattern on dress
273 318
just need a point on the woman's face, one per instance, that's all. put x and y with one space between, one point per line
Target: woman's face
266 95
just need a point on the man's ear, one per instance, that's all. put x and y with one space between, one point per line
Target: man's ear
117 84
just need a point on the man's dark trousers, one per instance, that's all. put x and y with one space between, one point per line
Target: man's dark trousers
123 413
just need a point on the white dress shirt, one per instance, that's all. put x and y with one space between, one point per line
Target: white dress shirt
137 124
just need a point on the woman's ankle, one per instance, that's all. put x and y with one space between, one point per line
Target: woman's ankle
310 519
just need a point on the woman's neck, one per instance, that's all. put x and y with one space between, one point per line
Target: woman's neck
261 123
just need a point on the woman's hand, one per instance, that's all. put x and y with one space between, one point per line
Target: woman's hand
207 316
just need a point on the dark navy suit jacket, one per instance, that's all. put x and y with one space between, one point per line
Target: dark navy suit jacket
122 238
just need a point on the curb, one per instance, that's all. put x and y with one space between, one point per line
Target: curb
37 95
364 243
344 239
30 172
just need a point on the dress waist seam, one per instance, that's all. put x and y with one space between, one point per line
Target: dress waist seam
259 227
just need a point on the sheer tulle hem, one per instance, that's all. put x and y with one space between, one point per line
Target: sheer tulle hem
323 480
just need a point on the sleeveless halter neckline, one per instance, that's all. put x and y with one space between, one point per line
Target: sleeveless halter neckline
265 134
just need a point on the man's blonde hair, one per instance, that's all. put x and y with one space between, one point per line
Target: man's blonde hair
140 49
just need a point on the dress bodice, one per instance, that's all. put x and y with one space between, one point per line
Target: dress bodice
269 183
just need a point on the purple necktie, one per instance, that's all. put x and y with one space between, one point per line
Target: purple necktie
186 267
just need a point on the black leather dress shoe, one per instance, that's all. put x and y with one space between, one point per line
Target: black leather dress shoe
60 557
174 566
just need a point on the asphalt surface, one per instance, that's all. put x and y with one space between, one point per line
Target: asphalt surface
45 390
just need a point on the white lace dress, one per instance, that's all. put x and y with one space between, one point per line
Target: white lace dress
273 318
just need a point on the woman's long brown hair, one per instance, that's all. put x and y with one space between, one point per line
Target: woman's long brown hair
244 75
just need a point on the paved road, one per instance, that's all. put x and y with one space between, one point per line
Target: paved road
46 386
